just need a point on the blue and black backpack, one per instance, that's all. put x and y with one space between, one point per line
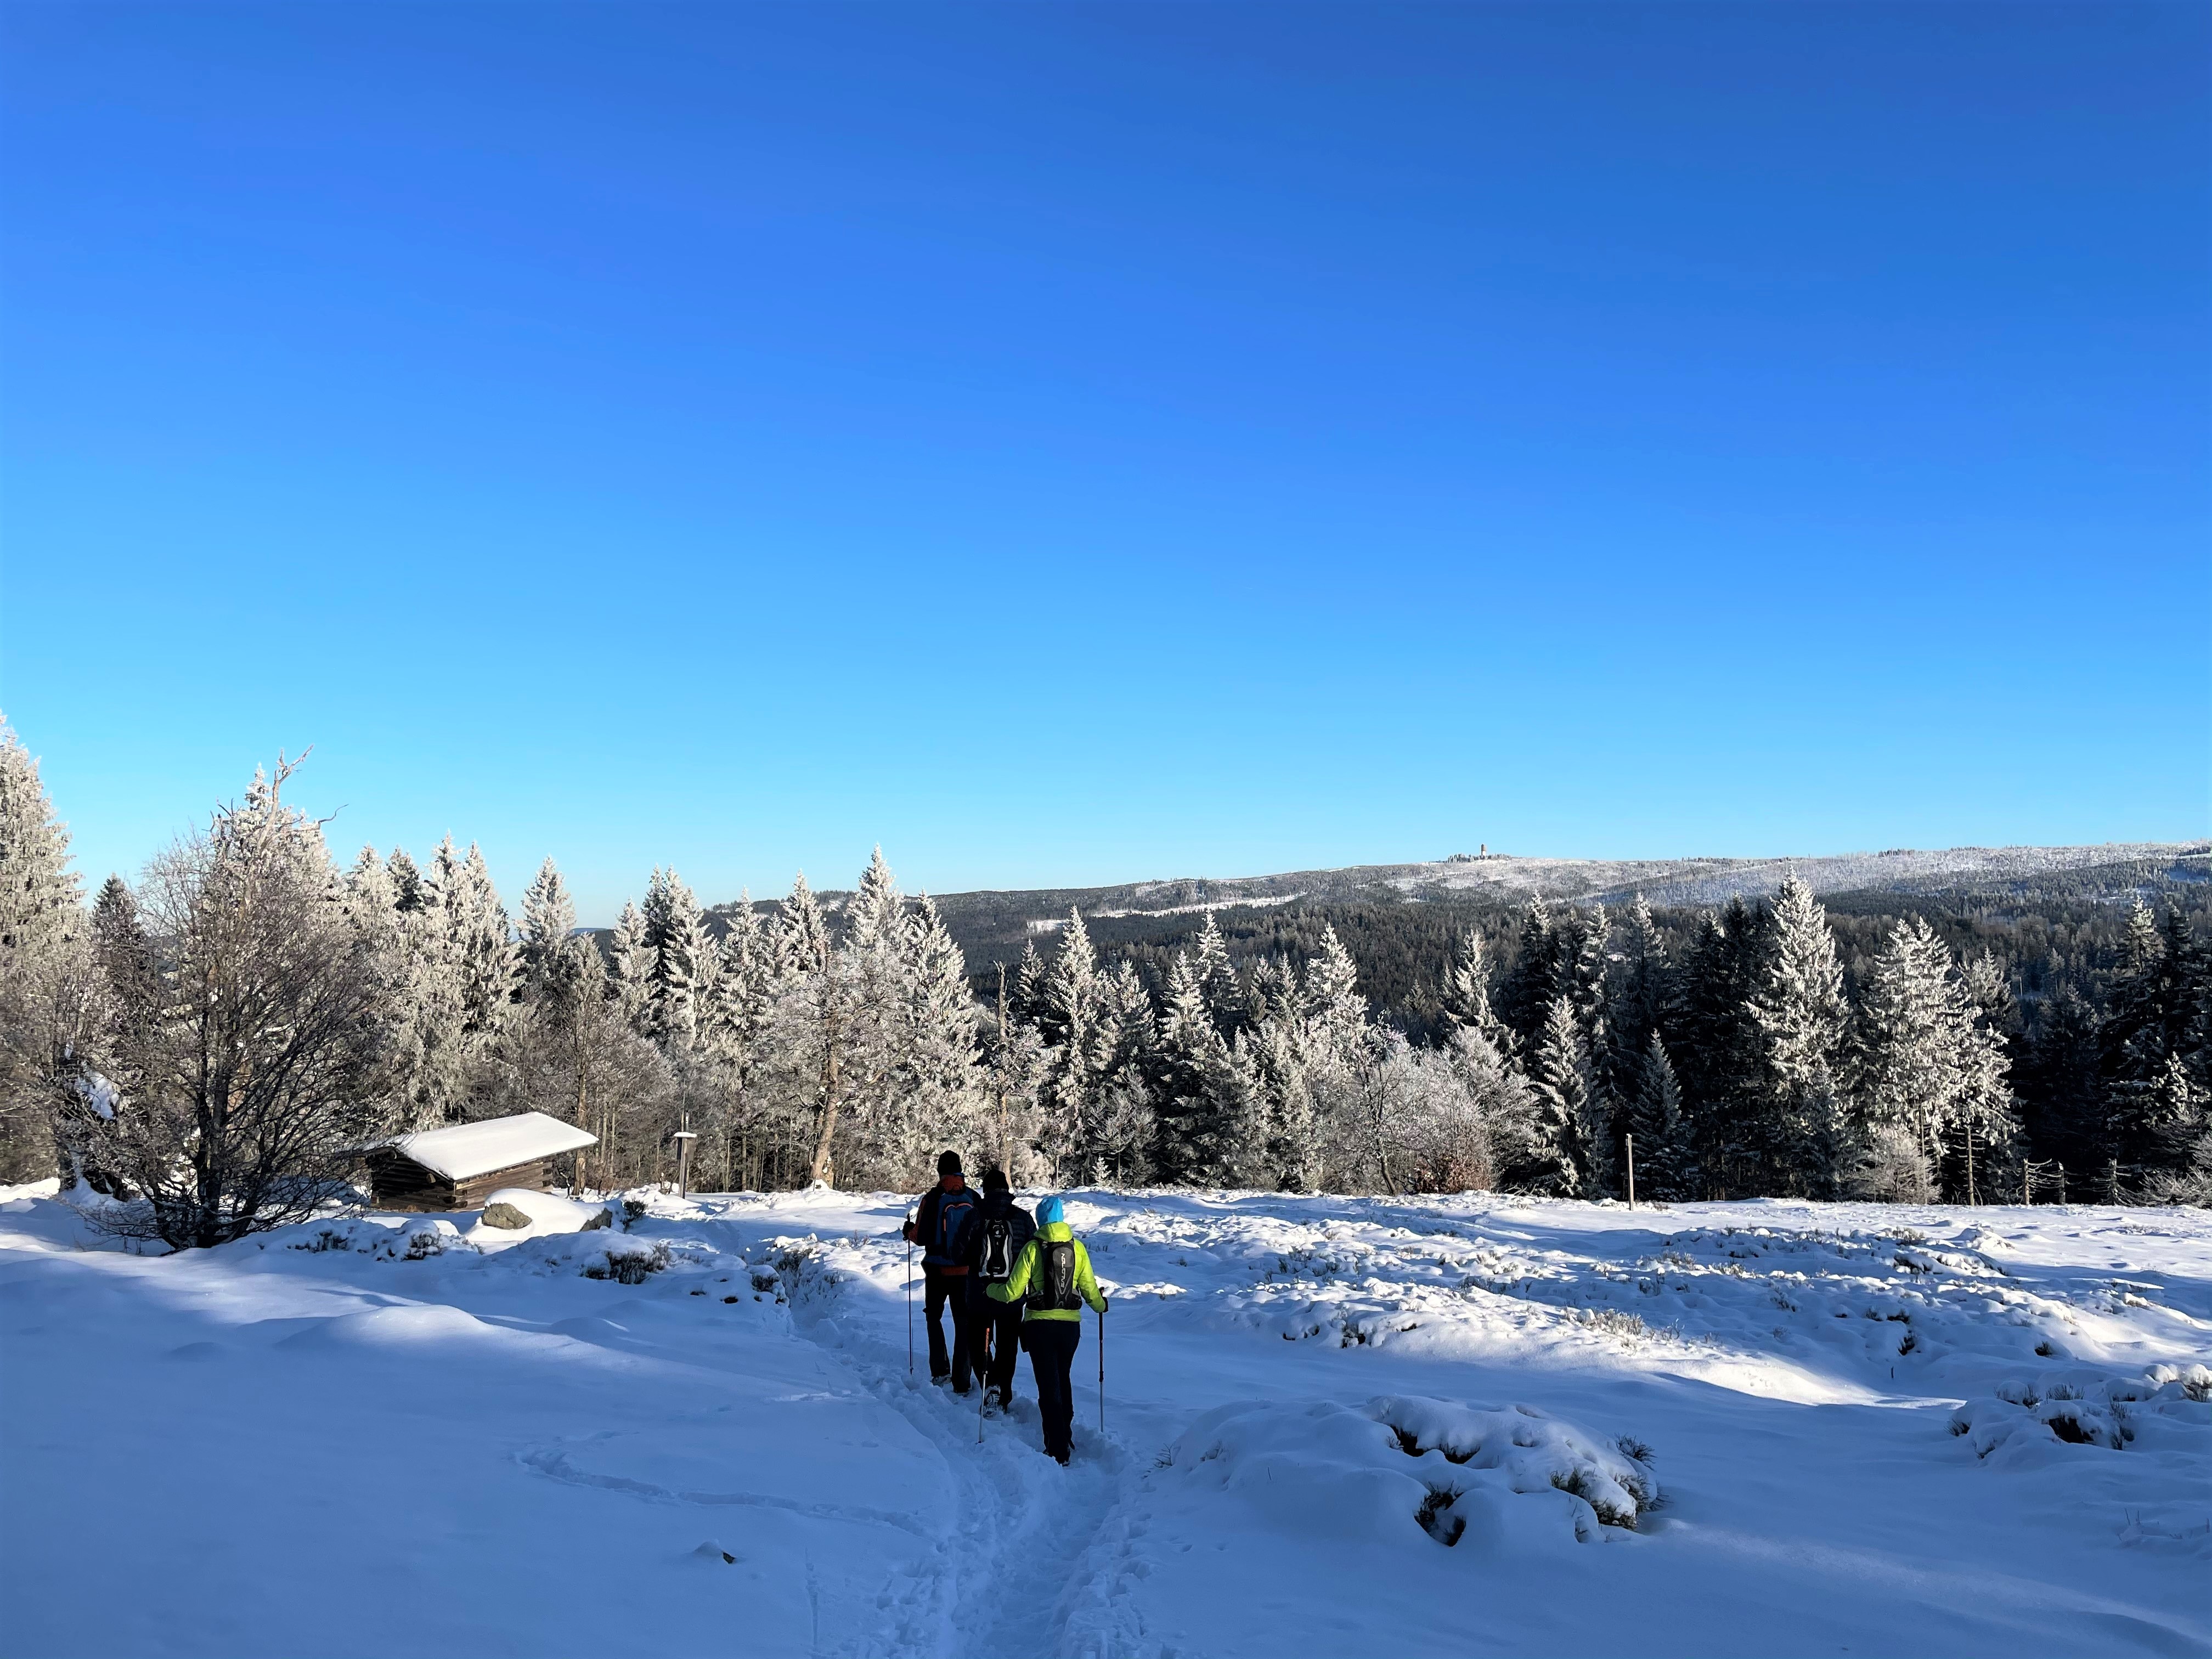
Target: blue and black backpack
953 1210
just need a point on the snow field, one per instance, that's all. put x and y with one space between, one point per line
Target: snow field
1338 1425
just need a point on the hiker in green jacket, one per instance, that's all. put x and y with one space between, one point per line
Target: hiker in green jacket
1054 1272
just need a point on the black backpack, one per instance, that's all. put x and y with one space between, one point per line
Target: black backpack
1052 1287
998 1250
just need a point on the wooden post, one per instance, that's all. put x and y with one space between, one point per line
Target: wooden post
683 1138
1631 1140
2062 1180
2027 1191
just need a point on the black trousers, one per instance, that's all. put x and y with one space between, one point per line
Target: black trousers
941 1288
1052 1344
995 1332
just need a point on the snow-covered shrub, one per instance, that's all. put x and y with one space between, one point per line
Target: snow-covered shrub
1486 1476
627 1261
1892 1168
2084 1408
413 1238
2195 1382
1533 1450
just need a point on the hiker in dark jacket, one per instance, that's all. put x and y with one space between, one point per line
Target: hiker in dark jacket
946 1210
994 1237
1054 1272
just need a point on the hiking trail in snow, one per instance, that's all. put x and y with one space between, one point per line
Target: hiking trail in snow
1335 1426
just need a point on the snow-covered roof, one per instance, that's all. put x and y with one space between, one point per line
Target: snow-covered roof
468 1150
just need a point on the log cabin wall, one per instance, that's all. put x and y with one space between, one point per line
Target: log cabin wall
400 1183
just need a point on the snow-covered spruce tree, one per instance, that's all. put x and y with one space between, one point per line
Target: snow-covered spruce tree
2064 1081
2180 1120
629 968
47 992
41 900
1926 1061
678 961
419 982
1666 1161
483 951
1523 997
546 953
739 1027
1012 1077
1645 996
1557 1158
1466 1002
1720 1055
1127 1126
2158 1030
1212 1117
247 1065
940 1101
1219 979
1069 1022
1799 1133
814 1020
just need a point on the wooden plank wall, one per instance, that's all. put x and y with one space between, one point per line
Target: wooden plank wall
400 1183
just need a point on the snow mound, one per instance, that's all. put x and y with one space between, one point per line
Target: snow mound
548 1215
394 1327
1400 1467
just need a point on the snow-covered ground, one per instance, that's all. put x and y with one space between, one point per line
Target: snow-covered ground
1755 1428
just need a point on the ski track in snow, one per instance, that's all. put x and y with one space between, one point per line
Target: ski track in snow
1862 1422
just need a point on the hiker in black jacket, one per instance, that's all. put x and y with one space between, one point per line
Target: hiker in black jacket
946 1210
993 1236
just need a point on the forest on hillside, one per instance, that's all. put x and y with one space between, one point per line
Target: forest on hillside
213 1043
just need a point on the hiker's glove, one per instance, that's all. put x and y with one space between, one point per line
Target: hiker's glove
1103 1304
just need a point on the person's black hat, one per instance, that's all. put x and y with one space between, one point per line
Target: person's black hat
948 1164
994 1180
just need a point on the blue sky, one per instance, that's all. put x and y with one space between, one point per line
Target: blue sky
1074 444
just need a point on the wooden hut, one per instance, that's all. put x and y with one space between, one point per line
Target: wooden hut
460 1168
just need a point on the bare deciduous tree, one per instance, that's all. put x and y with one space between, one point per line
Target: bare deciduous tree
244 1065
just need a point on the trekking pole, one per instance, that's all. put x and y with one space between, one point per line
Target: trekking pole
1102 1371
909 1303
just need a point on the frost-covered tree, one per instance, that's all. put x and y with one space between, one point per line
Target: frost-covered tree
243 1068
1928 1062
629 967
1800 1132
679 963
1217 978
814 1019
40 901
547 953
47 992
1466 1002
482 942
1558 1155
